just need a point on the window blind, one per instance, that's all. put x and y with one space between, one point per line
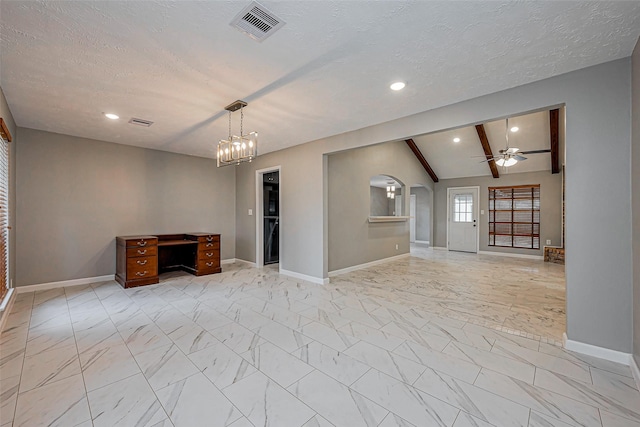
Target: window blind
514 216
4 217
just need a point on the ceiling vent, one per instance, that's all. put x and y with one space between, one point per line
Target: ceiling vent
140 122
257 22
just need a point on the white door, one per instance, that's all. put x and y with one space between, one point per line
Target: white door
463 219
412 218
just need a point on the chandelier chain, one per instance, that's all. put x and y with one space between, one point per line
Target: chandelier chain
229 125
241 119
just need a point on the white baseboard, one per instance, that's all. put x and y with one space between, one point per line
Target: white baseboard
227 261
366 265
5 307
439 248
635 371
422 242
595 351
64 283
251 264
536 257
312 279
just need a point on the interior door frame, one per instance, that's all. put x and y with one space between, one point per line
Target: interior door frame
476 216
412 215
260 215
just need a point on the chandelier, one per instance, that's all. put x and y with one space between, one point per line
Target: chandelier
391 191
237 149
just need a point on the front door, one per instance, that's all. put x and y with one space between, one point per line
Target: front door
463 216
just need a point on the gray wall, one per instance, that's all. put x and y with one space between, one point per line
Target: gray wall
635 197
352 239
423 213
75 195
550 207
379 204
598 101
5 113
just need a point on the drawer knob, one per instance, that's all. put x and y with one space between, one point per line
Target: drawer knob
142 262
209 254
144 273
209 264
142 243
209 239
142 252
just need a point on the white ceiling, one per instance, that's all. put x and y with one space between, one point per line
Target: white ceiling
327 71
449 159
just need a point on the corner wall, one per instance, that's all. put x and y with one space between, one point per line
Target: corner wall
75 195
550 207
352 239
598 263
635 196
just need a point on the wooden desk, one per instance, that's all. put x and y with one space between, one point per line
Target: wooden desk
139 259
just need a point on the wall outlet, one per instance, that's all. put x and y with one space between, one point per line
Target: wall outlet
250 212
481 211
396 247
548 242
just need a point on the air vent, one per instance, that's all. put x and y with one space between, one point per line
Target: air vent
257 22
140 122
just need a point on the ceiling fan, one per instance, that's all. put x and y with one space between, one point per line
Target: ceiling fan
511 155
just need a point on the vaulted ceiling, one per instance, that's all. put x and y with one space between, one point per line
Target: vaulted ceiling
327 71
466 157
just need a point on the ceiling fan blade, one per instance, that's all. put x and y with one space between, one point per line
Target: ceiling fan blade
535 151
489 160
519 157
512 150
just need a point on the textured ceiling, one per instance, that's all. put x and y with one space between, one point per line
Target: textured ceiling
327 71
450 159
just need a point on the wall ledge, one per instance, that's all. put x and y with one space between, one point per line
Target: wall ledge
64 283
599 352
388 218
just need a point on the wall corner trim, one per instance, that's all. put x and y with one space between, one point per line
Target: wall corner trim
64 283
7 304
367 264
312 279
595 351
249 263
507 254
635 371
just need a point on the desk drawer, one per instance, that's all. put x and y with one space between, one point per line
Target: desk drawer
211 238
142 267
208 267
142 251
209 255
142 242
203 246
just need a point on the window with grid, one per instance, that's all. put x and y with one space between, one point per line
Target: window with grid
463 208
514 216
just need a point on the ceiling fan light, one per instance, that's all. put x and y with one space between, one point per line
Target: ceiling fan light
500 162
510 162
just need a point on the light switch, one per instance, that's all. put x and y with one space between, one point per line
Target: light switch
250 212
481 211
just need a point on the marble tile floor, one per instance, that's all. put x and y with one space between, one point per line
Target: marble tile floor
386 346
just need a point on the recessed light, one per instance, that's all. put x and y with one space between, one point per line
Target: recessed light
111 116
456 139
515 129
397 86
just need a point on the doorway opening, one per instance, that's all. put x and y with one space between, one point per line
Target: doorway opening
268 217
420 218
271 217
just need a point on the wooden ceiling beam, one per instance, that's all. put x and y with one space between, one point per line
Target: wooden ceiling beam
554 122
421 159
4 130
487 150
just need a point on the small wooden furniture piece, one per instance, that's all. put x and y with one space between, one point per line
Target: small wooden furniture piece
139 259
